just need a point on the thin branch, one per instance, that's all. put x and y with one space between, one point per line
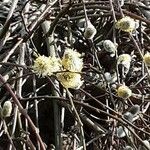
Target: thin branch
77 117
23 112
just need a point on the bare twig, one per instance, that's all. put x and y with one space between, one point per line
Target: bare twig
23 112
77 117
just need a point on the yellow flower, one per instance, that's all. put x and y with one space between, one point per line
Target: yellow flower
7 109
71 61
146 59
125 60
41 66
44 66
126 24
54 65
90 31
124 92
70 80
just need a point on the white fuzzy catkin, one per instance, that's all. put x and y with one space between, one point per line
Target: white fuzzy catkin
128 116
90 31
134 110
121 132
7 109
110 47
146 59
125 60
111 78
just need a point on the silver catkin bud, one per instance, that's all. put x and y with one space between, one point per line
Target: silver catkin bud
121 131
90 31
7 109
128 116
134 110
110 47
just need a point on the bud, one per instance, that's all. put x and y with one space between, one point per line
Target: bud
110 47
146 59
7 109
128 116
124 92
121 132
90 31
111 78
107 76
134 110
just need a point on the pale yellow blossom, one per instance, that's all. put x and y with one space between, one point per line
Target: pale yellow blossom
70 79
125 60
126 24
146 59
54 65
124 92
44 66
41 66
72 61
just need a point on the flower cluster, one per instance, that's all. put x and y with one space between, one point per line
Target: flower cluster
70 66
71 61
126 24
44 66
